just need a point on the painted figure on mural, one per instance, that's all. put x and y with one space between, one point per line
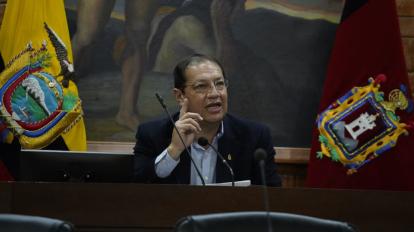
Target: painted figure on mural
92 18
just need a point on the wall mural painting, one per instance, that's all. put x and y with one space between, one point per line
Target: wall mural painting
275 53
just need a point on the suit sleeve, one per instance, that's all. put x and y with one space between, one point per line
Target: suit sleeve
272 177
144 157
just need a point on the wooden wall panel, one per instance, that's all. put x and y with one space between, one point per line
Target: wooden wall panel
405 7
408 44
407 26
405 10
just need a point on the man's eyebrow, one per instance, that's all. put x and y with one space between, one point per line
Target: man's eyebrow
206 80
218 78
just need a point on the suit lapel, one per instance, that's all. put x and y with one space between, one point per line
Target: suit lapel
228 146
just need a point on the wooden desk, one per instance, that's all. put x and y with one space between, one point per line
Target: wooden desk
137 207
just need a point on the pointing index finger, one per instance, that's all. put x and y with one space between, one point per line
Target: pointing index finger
184 107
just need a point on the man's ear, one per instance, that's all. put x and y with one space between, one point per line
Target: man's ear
179 96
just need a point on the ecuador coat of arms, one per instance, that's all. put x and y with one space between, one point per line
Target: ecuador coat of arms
35 105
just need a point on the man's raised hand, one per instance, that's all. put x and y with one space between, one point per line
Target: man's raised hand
188 127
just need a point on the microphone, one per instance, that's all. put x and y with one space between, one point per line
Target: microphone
204 142
161 101
260 156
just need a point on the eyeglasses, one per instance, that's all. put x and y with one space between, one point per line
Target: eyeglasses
205 87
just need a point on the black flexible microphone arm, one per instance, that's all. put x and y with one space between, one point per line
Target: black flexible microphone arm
260 155
161 101
203 142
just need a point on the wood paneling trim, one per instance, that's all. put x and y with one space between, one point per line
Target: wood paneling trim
405 7
407 26
104 146
284 154
408 45
292 155
411 79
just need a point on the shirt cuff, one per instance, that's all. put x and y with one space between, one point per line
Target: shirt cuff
165 164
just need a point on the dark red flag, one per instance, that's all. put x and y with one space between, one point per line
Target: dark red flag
367 43
4 173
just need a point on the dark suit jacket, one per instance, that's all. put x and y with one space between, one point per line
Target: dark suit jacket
240 140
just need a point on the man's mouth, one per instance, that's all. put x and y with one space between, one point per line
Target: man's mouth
214 107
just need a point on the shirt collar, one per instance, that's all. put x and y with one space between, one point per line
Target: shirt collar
219 134
221 131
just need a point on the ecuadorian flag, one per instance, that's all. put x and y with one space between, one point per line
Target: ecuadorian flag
39 102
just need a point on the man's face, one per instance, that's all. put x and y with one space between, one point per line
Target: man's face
206 91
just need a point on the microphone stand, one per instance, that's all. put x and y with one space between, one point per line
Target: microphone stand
161 101
261 155
203 141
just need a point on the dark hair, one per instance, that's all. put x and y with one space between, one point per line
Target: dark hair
179 70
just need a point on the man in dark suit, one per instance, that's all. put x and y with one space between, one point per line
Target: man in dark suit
201 91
